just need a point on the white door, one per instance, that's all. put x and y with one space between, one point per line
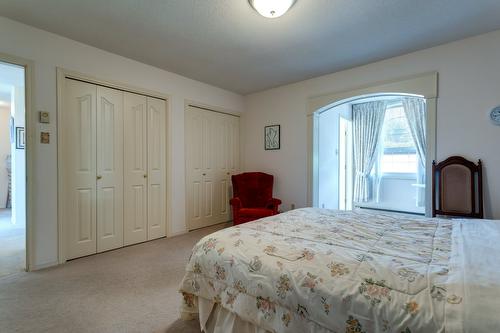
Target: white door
79 167
234 153
157 198
227 162
210 156
221 172
193 151
109 169
135 169
200 164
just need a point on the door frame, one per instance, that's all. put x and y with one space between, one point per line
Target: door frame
29 128
424 85
63 74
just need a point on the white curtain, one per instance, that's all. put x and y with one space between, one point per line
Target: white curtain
415 112
368 119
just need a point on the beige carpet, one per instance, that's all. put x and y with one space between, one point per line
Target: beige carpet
12 244
134 289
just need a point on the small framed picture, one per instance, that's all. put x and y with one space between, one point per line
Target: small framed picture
272 137
20 138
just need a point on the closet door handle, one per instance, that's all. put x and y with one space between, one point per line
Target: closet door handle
203 174
99 177
145 176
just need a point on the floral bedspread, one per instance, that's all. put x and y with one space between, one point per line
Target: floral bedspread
315 269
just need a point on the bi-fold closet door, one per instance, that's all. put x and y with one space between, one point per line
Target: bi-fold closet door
145 192
212 157
113 168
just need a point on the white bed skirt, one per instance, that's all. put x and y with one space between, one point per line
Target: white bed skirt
216 319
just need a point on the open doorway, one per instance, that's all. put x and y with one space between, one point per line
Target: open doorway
371 153
12 169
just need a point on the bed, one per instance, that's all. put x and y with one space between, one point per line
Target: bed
318 270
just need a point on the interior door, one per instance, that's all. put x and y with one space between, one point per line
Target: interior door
328 159
109 169
212 142
221 170
201 170
227 163
194 167
135 169
233 155
79 167
157 198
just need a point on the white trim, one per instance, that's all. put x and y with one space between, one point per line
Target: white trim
44 265
178 233
425 85
62 74
209 108
398 175
30 130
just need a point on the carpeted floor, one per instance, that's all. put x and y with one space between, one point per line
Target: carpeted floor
134 289
12 244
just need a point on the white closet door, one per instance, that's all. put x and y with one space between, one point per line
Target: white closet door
222 173
109 169
79 168
157 200
233 155
135 169
209 174
194 167
209 166
201 169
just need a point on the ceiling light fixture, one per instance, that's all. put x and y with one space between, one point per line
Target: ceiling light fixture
271 8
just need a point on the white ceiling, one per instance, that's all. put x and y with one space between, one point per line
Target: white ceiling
227 44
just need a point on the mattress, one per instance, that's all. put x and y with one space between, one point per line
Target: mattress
318 270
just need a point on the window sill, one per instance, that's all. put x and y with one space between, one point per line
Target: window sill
398 175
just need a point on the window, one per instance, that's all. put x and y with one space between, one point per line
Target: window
398 152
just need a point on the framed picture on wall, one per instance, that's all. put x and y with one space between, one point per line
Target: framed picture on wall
20 138
272 137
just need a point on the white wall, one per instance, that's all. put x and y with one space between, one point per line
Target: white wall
49 51
469 87
4 151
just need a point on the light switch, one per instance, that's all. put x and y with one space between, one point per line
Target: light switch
44 117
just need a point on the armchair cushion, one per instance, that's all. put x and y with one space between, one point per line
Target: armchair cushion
256 213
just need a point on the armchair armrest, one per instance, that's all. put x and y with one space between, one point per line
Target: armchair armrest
273 204
235 202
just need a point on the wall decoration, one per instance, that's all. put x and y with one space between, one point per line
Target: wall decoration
20 139
272 137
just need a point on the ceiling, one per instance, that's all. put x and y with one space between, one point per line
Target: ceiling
226 44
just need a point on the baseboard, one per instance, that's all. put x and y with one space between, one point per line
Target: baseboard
35 267
177 233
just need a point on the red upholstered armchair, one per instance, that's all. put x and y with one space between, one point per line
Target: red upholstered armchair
253 197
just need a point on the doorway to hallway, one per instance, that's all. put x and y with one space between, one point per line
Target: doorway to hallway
12 169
